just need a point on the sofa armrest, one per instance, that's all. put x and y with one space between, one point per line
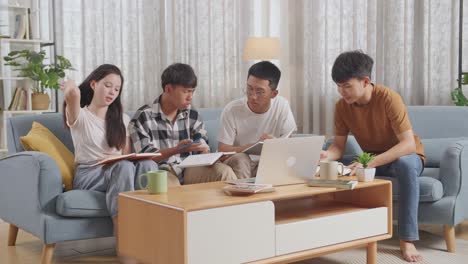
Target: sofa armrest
454 168
29 185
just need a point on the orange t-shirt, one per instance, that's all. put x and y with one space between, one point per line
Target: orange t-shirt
376 124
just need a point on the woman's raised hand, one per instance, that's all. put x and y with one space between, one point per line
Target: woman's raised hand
67 84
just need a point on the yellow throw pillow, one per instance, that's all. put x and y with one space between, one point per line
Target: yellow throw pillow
39 138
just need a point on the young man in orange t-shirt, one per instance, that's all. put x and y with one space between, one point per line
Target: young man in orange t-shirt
377 117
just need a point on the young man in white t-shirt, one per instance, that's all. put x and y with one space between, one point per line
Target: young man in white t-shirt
261 115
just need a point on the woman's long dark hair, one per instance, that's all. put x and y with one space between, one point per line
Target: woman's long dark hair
115 128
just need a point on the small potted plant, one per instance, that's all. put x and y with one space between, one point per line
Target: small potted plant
458 98
365 174
30 64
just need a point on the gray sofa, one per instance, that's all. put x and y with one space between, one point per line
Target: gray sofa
444 181
31 196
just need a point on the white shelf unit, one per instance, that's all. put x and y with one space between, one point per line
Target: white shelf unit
31 41
35 40
9 77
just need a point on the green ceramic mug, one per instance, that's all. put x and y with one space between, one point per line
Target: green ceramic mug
156 181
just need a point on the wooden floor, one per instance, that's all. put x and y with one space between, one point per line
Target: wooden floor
28 248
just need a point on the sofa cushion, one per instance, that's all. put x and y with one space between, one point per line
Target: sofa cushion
430 189
82 203
434 149
212 127
41 139
431 172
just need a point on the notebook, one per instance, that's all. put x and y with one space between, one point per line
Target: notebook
131 157
256 149
202 159
287 161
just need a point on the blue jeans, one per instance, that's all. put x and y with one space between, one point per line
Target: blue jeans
407 170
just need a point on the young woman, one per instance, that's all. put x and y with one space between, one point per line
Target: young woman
93 112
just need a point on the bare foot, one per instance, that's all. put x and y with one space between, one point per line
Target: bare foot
409 251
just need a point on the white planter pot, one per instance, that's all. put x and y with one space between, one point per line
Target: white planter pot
365 175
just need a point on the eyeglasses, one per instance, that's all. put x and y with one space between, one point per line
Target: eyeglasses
257 92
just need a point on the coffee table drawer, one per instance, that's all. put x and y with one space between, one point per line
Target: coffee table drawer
331 229
231 234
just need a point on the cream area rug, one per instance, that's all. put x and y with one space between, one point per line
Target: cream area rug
432 247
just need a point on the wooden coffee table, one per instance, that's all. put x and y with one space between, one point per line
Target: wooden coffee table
200 224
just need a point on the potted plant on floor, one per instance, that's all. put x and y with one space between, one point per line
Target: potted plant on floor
365 174
31 64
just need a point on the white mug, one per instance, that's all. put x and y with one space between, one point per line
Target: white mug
329 170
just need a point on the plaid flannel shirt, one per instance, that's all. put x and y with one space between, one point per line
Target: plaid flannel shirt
151 131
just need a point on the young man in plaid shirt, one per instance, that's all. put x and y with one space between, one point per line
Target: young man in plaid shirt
169 123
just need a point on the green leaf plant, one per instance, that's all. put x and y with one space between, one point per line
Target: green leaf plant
30 64
364 159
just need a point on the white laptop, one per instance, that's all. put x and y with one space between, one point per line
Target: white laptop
287 161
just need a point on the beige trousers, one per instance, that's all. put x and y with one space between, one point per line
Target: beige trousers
216 172
242 165
172 180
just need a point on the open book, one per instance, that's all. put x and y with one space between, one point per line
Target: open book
202 159
131 156
256 149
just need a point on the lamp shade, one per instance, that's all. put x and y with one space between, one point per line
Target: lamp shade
262 49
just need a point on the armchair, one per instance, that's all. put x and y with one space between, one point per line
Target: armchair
31 194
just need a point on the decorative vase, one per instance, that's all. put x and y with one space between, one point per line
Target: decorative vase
365 174
40 101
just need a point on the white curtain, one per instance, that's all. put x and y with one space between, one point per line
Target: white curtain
128 34
143 37
209 35
414 45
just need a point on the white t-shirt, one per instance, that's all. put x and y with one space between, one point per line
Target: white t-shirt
240 126
89 136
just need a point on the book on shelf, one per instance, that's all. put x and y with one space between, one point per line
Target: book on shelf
20 27
247 188
23 100
199 160
339 184
19 100
131 157
30 35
